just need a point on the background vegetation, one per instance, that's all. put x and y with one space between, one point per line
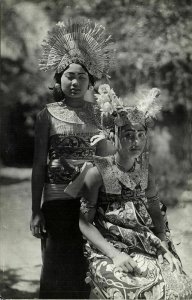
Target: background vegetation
154 48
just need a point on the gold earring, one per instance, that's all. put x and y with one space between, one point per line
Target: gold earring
91 88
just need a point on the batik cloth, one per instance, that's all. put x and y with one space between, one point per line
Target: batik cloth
123 219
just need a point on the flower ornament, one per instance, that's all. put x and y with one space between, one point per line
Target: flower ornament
104 89
148 103
107 100
144 111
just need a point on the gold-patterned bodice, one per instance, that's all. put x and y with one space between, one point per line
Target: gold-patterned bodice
70 131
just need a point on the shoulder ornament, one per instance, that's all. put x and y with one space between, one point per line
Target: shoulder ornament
62 112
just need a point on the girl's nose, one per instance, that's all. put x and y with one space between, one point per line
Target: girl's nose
75 82
135 140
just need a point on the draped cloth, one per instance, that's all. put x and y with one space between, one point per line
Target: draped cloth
64 266
123 219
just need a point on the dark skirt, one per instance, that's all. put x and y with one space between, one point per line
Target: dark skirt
64 266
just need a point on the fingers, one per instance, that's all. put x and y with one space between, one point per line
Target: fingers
37 225
173 262
132 263
43 229
169 259
128 265
177 265
38 231
160 258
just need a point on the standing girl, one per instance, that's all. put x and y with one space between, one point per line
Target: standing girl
80 52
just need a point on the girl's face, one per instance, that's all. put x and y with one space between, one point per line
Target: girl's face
132 139
74 81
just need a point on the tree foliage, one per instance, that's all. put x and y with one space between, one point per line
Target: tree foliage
153 41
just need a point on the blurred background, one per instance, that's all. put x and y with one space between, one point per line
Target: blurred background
154 49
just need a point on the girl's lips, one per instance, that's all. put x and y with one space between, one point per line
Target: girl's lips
75 90
135 149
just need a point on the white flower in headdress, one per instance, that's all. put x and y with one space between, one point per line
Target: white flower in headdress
102 98
107 108
143 111
104 89
107 99
148 103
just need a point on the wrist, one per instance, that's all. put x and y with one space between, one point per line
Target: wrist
113 252
162 236
36 210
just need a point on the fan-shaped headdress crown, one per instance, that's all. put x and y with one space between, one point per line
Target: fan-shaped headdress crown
78 41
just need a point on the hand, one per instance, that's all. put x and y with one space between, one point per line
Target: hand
160 252
125 262
37 225
174 263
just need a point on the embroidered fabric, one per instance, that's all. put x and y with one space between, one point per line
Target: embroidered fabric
107 166
58 127
79 116
153 199
72 146
69 139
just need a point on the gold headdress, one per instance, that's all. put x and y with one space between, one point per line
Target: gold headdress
115 114
143 111
78 41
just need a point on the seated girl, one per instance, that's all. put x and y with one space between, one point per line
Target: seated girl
130 253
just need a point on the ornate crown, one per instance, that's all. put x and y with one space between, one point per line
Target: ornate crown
78 41
145 109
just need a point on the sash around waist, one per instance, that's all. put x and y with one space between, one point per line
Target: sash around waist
68 190
56 162
55 191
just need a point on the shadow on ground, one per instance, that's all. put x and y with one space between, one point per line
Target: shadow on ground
7 181
11 285
13 175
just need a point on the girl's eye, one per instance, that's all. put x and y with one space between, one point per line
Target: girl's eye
129 135
141 134
69 77
82 77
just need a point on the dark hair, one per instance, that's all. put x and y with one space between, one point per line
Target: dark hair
58 94
58 76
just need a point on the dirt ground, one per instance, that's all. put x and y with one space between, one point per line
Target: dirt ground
20 256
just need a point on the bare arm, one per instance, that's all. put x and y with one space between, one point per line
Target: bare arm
158 221
154 206
38 173
92 234
93 182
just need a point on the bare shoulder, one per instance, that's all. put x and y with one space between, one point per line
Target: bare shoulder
151 189
42 115
93 177
151 169
151 172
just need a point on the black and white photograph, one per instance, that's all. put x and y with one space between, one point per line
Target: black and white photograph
96 149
